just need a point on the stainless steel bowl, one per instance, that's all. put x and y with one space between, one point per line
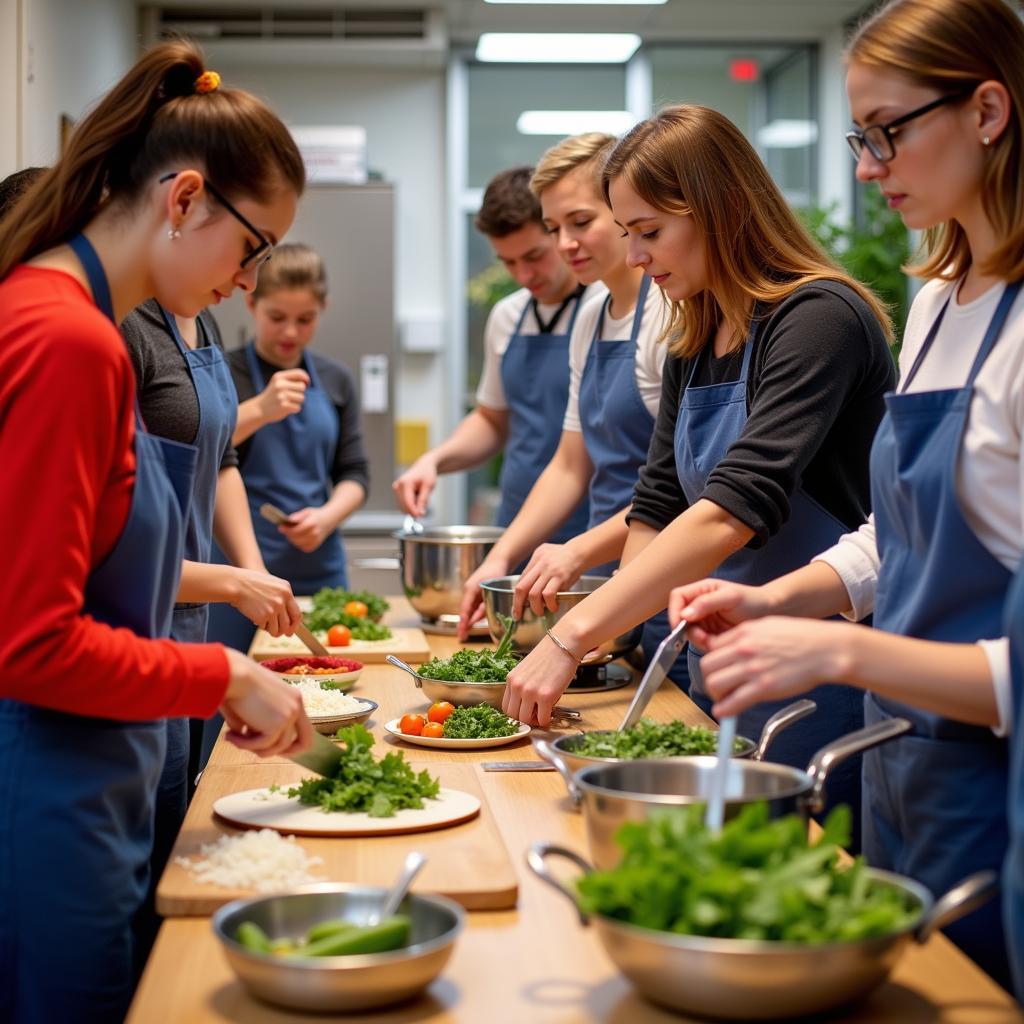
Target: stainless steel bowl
611 794
436 563
562 752
531 628
330 724
739 979
358 982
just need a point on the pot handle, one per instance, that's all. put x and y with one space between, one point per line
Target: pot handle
973 892
548 752
536 858
782 719
845 747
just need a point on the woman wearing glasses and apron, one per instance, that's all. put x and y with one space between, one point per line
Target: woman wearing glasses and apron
935 561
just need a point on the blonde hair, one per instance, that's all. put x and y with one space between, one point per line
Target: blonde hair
950 45
292 266
586 150
691 160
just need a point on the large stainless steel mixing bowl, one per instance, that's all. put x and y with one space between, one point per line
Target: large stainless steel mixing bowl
436 563
531 628
357 982
740 979
611 794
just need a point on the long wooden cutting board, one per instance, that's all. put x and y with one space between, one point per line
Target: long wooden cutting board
406 642
466 862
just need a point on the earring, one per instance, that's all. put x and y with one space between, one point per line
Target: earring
173 234
985 141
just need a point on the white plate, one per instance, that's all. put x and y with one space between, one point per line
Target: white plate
478 744
259 808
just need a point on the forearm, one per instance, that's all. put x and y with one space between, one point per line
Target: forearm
347 496
953 680
640 535
603 543
232 522
202 582
814 591
690 548
557 492
250 419
475 440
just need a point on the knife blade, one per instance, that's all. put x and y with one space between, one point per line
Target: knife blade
663 660
517 766
323 757
303 632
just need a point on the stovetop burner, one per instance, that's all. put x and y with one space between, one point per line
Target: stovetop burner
599 678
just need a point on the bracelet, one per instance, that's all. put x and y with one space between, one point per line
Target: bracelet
558 643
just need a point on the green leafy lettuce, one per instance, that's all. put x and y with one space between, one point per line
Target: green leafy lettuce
756 879
477 723
651 739
468 666
378 788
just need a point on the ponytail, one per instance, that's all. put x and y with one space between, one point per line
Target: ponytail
153 118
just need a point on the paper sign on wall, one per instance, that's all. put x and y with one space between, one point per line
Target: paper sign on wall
373 380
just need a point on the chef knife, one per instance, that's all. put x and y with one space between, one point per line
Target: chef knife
662 661
323 757
274 515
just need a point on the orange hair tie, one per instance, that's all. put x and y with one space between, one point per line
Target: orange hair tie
208 81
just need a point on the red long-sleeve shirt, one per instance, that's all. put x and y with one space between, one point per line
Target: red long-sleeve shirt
67 467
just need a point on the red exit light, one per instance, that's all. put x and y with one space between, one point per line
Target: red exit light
743 69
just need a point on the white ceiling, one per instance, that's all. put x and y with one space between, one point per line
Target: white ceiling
677 20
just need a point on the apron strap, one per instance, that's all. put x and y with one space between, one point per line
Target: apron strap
95 274
638 312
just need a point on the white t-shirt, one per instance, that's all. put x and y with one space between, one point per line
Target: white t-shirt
650 356
990 476
501 324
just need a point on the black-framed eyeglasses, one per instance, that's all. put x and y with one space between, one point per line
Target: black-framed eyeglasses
263 251
879 139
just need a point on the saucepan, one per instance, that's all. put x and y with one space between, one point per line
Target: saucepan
530 629
747 980
562 752
611 794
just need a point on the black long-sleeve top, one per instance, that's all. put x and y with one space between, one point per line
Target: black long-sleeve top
820 367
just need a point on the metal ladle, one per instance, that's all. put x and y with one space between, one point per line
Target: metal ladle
410 869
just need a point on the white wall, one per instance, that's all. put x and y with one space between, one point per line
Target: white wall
10 79
72 52
835 164
403 113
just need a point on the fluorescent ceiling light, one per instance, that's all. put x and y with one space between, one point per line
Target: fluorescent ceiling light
557 47
785 133
619 3
574 122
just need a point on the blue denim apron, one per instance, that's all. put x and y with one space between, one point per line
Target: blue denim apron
1013 869
535 376
617 429
711 419
288 465
218 410
77 793
936 798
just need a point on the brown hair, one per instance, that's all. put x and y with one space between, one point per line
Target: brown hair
293 266
151 120
508 204
586 150
949 45
692 160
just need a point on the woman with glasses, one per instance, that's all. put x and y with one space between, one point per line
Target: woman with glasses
772 391
298 435
936 88
93 516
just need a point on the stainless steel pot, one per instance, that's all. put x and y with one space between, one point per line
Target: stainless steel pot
530 630
740 979
357 982
611 794
562 751
435 564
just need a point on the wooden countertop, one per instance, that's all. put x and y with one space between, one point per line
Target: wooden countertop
534 963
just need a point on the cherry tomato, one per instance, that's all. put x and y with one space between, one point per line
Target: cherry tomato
440 711
412 725
339 636
435 730
356 609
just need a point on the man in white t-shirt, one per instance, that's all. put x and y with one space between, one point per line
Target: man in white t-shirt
525 382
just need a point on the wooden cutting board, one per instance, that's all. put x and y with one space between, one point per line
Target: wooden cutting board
467 862
407 642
